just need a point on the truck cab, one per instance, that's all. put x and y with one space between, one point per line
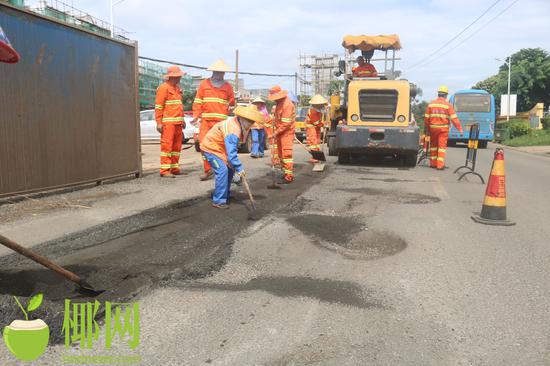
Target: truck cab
374 117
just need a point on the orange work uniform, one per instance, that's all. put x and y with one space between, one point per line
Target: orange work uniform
211 104
314 124
367 70
169 114
284 119
439 114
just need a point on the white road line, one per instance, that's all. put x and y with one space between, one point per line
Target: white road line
439 190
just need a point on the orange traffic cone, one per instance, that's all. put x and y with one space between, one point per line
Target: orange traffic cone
493 211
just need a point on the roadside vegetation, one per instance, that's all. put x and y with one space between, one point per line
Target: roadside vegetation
521 134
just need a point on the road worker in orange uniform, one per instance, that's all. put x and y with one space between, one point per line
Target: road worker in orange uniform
212 101
284 119
220 146
439 115
364 69
258 131
314 124
170 123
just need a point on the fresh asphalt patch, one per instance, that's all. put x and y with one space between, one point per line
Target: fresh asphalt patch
128 257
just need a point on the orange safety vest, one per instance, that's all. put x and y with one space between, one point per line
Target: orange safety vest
213 103
214 141
285 115
438 114
367 70
168 104
314 118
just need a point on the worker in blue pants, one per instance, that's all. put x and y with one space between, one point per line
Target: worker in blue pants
220 147
257 131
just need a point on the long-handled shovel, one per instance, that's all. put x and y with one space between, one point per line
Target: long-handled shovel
84 286
317 155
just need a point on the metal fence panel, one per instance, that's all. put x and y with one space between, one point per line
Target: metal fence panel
68 109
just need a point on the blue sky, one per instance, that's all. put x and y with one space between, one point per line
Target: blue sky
270 35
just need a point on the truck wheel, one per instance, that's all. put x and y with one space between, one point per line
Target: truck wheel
332 146
344 158
409 160
482 144
247 146
451 143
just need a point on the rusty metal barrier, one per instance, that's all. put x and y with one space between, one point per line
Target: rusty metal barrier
471 154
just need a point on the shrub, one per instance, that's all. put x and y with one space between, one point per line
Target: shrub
518 128
545 123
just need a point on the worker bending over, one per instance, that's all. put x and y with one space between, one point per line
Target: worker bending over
170 123
364 69
314 124
284 119
212 101
258 131
437 120
220 146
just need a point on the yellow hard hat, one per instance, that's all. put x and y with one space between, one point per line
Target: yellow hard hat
318 99
220 66
443 89
250 112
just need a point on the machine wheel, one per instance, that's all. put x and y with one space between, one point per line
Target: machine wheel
482 144
332 146
197 146
451 143
409 160
344 158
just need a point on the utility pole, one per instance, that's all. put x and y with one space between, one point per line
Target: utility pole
509 78
237 72
296 83
112 21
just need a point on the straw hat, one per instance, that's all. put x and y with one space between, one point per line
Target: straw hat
174 72
277 93
250 112
317 100
258 100
219 66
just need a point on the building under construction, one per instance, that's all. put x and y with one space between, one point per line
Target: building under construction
317 73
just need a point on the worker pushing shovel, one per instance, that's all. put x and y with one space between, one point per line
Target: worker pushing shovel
314 126
220 146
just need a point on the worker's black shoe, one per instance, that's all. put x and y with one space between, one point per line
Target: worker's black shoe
207 175
220 205
284 181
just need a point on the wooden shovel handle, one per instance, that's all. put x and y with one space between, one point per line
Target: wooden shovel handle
247 188
40 259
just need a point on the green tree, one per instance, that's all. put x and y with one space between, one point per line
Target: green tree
418 110
335 87
303 100
530 79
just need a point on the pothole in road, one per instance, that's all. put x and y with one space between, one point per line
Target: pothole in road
348 236
325 290
394 196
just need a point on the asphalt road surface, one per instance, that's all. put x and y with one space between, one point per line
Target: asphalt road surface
368 263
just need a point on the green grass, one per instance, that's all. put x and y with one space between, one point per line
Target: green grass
535 138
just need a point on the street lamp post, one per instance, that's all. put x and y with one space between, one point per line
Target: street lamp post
509 79
113 3
509 73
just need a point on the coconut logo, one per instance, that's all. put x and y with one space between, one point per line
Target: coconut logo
27 339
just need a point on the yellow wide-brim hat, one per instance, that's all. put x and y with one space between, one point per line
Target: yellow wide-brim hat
317 100
219 66
250 112
258 100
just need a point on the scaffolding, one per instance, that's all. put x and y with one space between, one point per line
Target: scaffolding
317 73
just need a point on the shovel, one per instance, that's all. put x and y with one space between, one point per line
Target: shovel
253 214
273 184
317 155
84 286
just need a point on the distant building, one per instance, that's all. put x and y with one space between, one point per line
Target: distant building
259 93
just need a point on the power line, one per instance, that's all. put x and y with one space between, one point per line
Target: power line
204 68
482 27
455 37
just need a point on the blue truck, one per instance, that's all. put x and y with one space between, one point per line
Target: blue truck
473 106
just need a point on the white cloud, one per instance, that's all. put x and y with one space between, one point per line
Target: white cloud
270 35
